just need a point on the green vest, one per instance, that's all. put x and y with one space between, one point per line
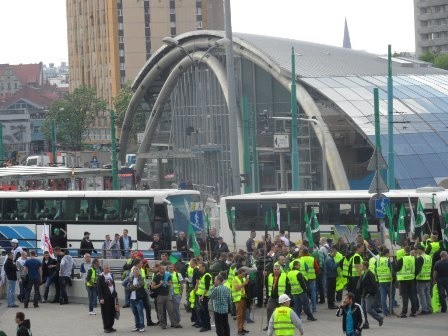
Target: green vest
353 272
295 284
307 262
192 299
407 272
283 325
340 280
345 267
143 274
281 284
190 271
383 271
425 272
201 287
125 274
231 276
236 294
176 283
92 281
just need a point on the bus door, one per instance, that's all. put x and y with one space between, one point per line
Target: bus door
143 214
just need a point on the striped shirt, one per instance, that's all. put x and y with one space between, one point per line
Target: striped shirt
221 299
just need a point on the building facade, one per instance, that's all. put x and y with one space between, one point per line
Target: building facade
109 41
431 26
187 132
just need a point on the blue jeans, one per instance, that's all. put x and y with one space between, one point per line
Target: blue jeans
204 313
32 283
301 301
176 305
313 294
424 295
137 310
384 293
11 292
368 305
63 282
93 294
50 280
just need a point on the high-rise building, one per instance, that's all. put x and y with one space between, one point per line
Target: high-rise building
109 41
431 26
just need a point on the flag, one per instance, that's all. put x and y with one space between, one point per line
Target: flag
364 222
315 228
390 218
421 217
207 221
412 223
401 229
278 216
309 234
272 219
172 259
192 241
45 243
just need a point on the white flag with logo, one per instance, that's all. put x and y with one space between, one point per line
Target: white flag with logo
45 243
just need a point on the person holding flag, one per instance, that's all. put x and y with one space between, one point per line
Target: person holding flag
45 243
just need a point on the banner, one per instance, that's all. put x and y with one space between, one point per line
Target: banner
45 243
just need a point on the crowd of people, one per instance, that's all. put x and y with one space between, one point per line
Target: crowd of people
291 281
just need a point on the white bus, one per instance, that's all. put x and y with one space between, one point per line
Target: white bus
338 212
142 213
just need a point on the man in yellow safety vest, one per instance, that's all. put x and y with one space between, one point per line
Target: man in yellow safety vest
406 275
423 264
284 321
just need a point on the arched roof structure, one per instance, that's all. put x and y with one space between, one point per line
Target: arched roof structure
344 78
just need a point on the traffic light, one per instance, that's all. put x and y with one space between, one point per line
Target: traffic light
245 179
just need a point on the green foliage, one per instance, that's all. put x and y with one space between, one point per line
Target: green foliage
441 61
428 57
73 116
121 103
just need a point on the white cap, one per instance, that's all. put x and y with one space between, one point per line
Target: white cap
14 241
283 298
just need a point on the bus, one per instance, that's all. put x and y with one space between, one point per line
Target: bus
338 212
142 213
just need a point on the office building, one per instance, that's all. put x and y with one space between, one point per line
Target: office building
109 41
431 26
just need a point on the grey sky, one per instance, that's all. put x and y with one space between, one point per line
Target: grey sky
35 30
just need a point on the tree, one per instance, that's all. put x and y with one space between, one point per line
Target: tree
73 116
121 103
441 61
428 56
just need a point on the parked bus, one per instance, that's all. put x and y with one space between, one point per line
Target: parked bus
142 213
338 212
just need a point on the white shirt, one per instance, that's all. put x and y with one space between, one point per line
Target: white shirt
285 240
134 293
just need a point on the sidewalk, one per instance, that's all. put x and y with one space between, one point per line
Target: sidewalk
73 319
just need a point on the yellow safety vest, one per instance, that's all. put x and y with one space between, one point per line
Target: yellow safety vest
341 281
383 271
400 254
435 246
202 291
282 268
192 299
237 294
190 271
126 273
283 325
281 284
425 272
92 281
291 264
307 262
176 283
407 272
352 271
143 274
295 284
372 266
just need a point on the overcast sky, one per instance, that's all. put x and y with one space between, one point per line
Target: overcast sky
35 30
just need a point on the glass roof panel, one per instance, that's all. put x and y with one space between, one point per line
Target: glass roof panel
348 94
332 94
425 182
415 166
401 146
418 143
406 184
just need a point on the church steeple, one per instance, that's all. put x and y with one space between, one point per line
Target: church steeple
346 44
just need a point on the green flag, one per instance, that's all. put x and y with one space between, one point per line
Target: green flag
420 220
364 222
309 234
445 230
272 219
207 221
401 229
172 259
315 228
193 243
390 218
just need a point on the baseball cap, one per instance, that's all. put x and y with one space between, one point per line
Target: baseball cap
14 241
283 298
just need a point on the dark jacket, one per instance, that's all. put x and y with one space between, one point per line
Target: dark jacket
10 269
139 288
103 289
85 247
24 328
358 316
182 244
46 271
221 248
367 284
122 245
